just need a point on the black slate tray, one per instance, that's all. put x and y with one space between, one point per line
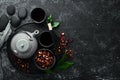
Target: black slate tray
13 59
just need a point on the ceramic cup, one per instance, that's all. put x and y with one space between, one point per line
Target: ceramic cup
38 15
46 39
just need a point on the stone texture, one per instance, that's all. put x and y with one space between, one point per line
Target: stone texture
15 21
11 10
95 27
22 13
3 22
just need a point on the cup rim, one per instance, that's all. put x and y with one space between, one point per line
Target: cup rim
50 53
42 19
43 44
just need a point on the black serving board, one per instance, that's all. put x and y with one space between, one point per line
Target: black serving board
30 61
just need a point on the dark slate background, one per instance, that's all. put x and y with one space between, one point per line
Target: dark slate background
93 24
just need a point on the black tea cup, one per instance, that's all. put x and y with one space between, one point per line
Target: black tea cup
46 39
38 15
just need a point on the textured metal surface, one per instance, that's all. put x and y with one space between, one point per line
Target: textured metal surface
93 24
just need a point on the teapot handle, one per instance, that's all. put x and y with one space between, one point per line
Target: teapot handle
36 32
31 35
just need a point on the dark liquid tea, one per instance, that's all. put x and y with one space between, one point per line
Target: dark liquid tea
46 39
38 14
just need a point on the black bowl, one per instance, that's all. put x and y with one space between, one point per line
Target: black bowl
38 15
40 67
48 39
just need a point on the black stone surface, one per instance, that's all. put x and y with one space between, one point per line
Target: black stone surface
15 21
95 27
11 10
3 22
22 13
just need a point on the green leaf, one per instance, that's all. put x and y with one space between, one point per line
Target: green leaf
50 19
64 66
55 24
64 57
48 71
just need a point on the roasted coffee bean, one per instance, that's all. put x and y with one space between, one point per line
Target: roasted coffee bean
44 59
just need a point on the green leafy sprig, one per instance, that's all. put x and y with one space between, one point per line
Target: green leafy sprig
62 64
53 23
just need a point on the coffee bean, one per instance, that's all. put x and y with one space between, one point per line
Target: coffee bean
46 59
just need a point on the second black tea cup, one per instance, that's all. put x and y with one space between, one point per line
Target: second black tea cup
38 15
46 39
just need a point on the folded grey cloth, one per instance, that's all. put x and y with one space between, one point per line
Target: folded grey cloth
1 69
4 35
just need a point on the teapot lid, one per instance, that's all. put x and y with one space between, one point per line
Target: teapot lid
22 45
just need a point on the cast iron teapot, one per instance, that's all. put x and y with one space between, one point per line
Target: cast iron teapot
24 44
